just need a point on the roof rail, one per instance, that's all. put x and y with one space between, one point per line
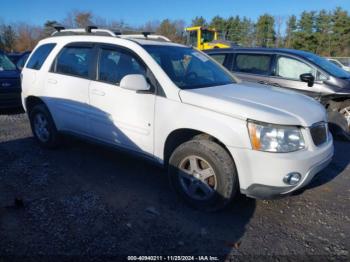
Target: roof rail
60 30
58 27
87 30
148 37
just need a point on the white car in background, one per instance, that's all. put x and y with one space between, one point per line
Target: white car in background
339 64
177 106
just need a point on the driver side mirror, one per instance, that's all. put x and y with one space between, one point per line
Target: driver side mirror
308 78
135 82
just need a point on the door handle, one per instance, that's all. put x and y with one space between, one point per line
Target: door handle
98 92
275 84
52 81
263 82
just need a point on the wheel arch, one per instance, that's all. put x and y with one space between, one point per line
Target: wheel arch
334 101
182 135
32 101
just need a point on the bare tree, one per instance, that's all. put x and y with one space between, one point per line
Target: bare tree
83 19
151 26
279 20
27 36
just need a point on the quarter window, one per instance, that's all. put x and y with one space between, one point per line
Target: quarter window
74 61
253 63
115 64
220 58
38 58
291 68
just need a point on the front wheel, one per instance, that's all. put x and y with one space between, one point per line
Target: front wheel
345 112
203 174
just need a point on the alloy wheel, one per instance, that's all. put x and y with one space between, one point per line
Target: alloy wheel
197 177
41 127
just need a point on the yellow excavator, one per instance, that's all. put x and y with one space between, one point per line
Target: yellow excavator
205 38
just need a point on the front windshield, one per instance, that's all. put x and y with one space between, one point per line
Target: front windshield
207 36
6 64
327 66
188 68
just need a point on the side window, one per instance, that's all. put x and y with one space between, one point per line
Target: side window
115 64
321 77
219 58
39 56
74 61
291 68
253 63
193 38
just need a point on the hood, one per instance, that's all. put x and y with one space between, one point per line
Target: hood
9 74
257 102
9 79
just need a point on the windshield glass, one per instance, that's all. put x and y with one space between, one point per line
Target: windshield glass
5 63
207 36
327 66
188 68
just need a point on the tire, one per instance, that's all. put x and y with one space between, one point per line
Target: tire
209 158
43 127
345 112
339 121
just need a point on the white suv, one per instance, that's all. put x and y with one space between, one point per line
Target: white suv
177 106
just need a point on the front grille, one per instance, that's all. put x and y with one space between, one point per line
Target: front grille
319 133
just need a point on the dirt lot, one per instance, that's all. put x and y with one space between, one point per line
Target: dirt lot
86 200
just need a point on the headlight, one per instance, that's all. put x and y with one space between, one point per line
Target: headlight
275 138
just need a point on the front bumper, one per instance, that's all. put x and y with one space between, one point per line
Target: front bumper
268 192
10 98
261 174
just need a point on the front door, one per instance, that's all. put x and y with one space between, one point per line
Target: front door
119 116
287 75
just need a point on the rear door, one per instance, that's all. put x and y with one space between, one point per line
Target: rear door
253 67
286 74
67 87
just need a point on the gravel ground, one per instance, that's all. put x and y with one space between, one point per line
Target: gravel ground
86 200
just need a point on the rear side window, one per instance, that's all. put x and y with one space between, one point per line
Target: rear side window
253 63
39 56
219 58
74 61
115 64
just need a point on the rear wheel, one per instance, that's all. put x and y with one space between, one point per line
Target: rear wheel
203 174
43 126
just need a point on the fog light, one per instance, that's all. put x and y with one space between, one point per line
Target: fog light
292 179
